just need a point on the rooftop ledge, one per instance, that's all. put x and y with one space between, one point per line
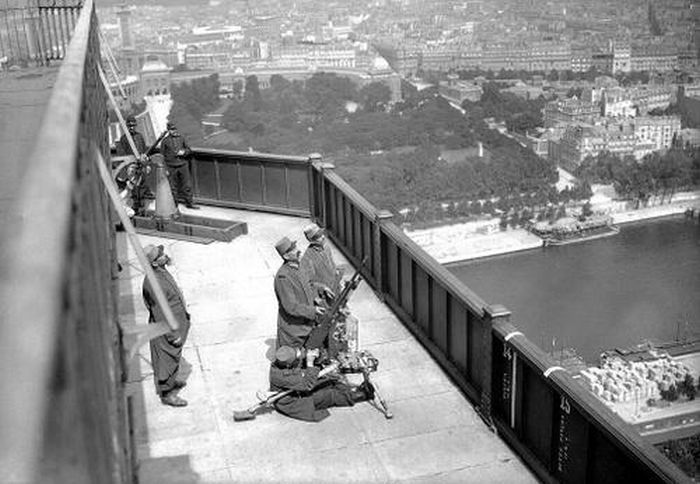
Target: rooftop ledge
435 436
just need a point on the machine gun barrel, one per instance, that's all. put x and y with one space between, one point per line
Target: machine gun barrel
152 148
321 330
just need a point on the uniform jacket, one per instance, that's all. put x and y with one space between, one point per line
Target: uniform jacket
123 147
165 356
299 404
296 314
169 148
175 299
317 263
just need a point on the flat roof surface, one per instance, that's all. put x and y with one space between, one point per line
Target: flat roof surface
24 95
435 435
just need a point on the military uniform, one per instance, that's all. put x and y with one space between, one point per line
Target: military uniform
177 165
165 356
139 190
296 314
320 269
312 396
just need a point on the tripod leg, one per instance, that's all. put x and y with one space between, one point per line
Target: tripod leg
378 402
382 404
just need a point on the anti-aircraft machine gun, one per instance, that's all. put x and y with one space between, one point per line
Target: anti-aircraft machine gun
333 335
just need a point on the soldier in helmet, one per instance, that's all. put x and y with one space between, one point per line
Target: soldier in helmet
293 369
297 313
317 262
132 178
176 151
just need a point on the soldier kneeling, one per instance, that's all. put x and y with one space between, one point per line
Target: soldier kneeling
312 394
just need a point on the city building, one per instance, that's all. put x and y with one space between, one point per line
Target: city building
459 91
622 54
653 58
155 78
581 59
568 111
659 131
126 92
581 141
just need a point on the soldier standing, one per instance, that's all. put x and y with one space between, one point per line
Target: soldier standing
166 350
317 262
175 151
297 313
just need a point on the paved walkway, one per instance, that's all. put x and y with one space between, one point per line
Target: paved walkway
24 95
435 436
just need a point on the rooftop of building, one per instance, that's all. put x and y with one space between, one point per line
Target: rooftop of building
435 435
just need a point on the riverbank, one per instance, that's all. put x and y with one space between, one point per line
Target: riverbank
474 240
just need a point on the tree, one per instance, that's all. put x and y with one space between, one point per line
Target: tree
687 387
586 210
252 98
279 83
375 96
561 212
189 127
671 394
237 88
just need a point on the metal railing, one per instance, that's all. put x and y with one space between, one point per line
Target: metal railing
563 432
63 411
36 31
252 181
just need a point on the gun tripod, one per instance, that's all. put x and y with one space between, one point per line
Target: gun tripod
378 402
363 362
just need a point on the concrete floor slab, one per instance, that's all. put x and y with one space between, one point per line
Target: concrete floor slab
444 450
229 290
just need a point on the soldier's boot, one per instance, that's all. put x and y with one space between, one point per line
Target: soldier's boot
363 392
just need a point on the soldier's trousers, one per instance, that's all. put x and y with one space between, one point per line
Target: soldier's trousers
180 183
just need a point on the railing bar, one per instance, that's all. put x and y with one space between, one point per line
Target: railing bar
245 155
287 203
52 32
64 35
18 40
2 42
26 38
56 50
42 35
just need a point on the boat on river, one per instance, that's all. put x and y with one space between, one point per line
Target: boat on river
570 230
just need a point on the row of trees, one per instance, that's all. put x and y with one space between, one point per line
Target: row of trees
554 75
656 175
191 101
392 155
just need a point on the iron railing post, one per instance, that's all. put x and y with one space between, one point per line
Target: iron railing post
381 217
493 313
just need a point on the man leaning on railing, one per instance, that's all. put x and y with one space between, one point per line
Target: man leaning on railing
166 350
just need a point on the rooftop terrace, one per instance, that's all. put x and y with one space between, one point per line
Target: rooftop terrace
67 414
435 436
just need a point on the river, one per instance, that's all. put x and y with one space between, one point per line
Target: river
596 295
